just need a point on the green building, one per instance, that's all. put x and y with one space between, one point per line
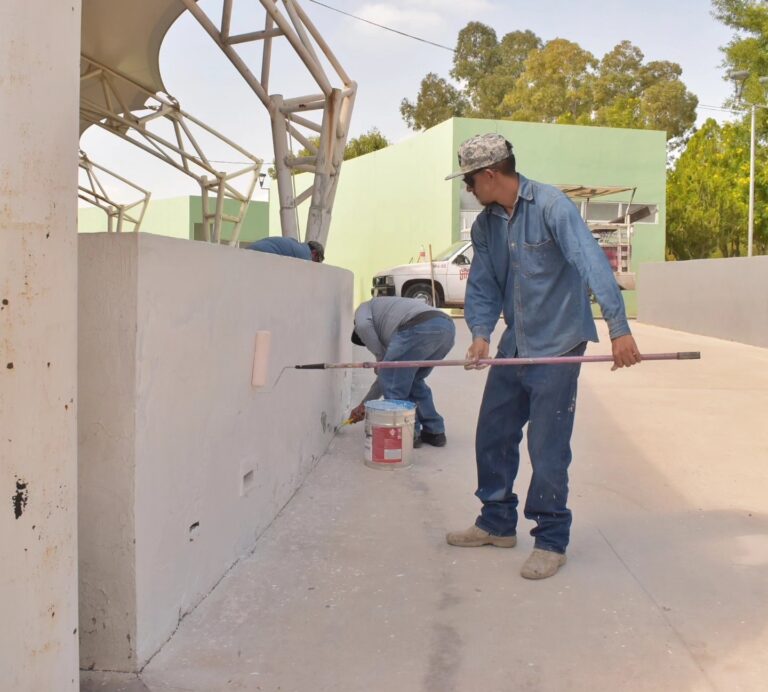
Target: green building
181 217
391 203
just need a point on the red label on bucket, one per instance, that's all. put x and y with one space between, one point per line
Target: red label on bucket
386 444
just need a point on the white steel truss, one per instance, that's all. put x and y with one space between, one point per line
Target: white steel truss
292 118
181 149
94 192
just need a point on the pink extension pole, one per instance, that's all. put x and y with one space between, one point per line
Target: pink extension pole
550 360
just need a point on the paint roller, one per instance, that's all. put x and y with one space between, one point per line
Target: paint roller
261 348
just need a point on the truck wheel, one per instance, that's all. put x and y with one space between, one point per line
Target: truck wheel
421 291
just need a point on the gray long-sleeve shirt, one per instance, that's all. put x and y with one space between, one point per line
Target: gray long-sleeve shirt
376 322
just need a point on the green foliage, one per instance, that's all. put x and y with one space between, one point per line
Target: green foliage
476 54
521 78
555 85
437 101
512 52
707 194
748 50
369 141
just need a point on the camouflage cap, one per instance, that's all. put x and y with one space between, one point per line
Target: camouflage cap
481 151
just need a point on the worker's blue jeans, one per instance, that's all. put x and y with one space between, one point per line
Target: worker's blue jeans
544 396
429 340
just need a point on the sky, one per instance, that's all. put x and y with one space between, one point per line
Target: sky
389 67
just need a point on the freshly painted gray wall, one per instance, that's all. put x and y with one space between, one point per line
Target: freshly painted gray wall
170 424
725 298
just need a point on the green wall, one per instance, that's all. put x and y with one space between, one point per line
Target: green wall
388 204
392 201
177 217
163 217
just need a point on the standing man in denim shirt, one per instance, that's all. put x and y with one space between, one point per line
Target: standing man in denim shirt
534 259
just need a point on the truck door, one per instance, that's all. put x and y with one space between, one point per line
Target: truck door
457 274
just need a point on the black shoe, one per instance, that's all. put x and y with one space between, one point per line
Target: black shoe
434 439
416 442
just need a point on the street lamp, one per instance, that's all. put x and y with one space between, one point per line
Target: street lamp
739 77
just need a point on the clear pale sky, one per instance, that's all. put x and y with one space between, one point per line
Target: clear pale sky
389 67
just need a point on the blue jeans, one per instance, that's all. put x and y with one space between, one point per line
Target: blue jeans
544 396
429 340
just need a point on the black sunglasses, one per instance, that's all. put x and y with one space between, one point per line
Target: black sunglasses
469 178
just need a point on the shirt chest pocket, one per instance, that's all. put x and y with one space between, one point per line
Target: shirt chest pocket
540 258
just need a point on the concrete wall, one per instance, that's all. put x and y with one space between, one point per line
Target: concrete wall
725 298
39 87
183 463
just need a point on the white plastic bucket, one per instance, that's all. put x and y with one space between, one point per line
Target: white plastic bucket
389 426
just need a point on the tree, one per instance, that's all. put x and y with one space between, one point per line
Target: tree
555 85
706 193
748 50
367 142
627 93
437 101
512 51
521 78
476 54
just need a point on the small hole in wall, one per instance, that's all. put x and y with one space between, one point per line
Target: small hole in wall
193 529
247 481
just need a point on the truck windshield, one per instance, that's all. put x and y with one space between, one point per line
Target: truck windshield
450 252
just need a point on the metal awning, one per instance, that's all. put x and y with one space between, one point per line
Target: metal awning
121 91
590 191
126 37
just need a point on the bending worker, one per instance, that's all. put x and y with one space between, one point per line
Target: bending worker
534 258
405 329
289 247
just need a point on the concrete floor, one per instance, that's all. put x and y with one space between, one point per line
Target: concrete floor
353 587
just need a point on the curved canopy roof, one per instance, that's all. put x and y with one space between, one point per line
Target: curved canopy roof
125 37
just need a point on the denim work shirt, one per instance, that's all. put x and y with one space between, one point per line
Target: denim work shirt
279 245
536 267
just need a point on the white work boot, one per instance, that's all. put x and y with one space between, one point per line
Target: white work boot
542 564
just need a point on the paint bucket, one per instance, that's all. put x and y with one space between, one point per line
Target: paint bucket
389 426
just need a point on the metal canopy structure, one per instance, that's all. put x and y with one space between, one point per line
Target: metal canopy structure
614 236
587 192
122 92
94 192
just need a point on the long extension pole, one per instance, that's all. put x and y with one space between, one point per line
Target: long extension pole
549 360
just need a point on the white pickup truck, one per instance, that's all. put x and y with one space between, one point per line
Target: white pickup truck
451 269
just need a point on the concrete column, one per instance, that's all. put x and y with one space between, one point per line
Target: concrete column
39 87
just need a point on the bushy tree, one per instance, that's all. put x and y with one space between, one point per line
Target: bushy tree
707 195
521 78
437 101
554 86
367 142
